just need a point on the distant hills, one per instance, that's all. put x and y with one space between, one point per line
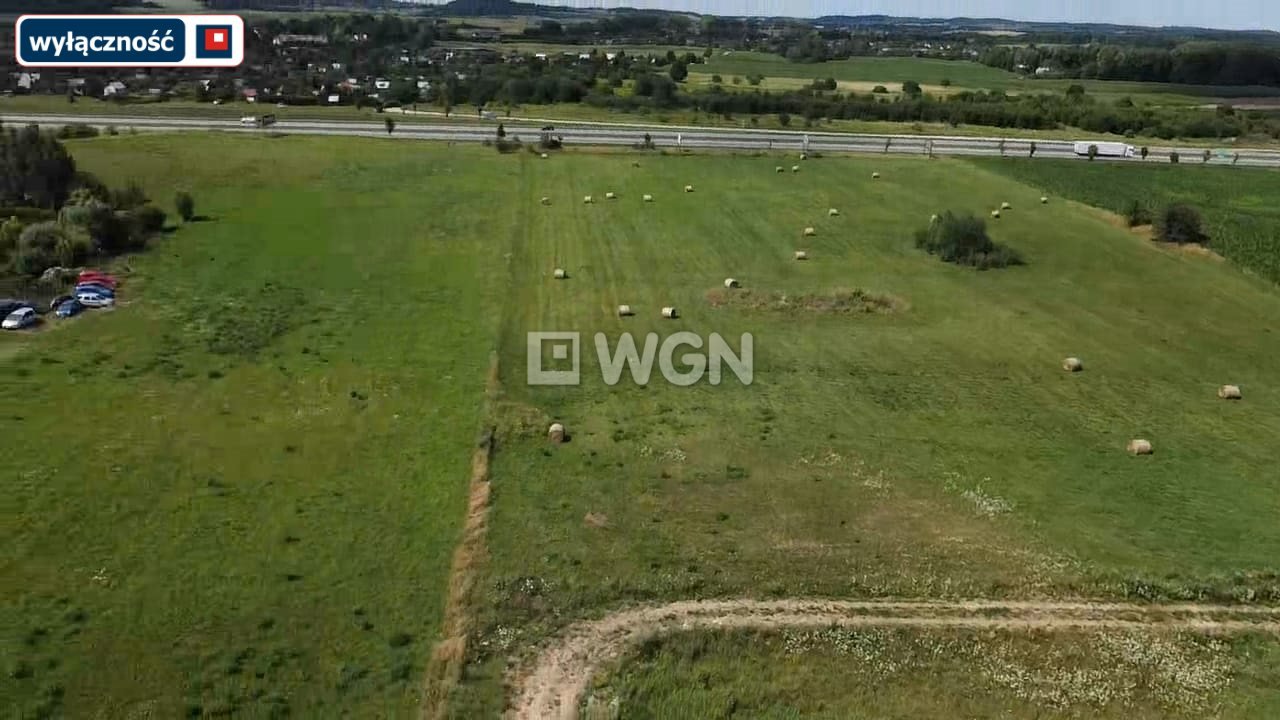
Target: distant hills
496 8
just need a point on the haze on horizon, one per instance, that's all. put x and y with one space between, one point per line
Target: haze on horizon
1229 15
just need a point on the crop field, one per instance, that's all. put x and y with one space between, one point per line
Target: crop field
1239 208
250 477
238 493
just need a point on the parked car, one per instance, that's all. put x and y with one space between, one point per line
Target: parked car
98 277
20 318
8 306
69 308
57 302
95 300
96 288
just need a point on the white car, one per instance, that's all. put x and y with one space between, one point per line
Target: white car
95 300
20 318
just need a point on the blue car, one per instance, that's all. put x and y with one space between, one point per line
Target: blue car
69 308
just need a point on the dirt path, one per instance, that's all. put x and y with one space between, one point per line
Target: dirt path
552 685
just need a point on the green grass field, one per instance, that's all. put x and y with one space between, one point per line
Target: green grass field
896 675
241 489
938 449
248 479
1240 217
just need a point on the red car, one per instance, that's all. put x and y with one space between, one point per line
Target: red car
93 276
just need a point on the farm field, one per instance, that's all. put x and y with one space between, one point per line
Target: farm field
979 675
263 454
1240 213
239 492
936 448
894 71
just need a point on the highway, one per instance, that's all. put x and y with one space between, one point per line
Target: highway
604 134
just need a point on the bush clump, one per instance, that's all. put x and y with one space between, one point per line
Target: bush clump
1180 224
1138 214
963 240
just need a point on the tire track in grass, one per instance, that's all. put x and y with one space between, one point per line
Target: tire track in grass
551 686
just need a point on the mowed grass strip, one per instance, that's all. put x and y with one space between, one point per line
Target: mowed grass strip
239 491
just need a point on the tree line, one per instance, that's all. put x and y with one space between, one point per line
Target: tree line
51 213
1194 63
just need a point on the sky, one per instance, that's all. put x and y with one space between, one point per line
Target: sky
1227 14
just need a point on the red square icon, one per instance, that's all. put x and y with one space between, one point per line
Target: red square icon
217 39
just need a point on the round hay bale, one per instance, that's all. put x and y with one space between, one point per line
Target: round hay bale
546 201
688 188
560 274
731 283
1138 446
810 232
804 156
833 212
670 313
587 199
610 196
1043 200
995 214
875 176
1005 206
795 168
1072 364
933 218
635 163
545 156
802 255
1230 392
625 311
779 169
555 433
648 198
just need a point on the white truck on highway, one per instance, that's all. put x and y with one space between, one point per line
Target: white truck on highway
1106 149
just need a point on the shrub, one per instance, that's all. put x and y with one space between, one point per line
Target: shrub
784 119
1138 214
945 82
880 90
508 146
1173 157
129 198
1093 152
963 240
1180 224
146 220
717 79
78 130
185 205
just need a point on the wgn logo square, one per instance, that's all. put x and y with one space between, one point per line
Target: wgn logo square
213 42
553 359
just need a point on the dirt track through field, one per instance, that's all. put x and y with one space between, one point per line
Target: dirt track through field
551 687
